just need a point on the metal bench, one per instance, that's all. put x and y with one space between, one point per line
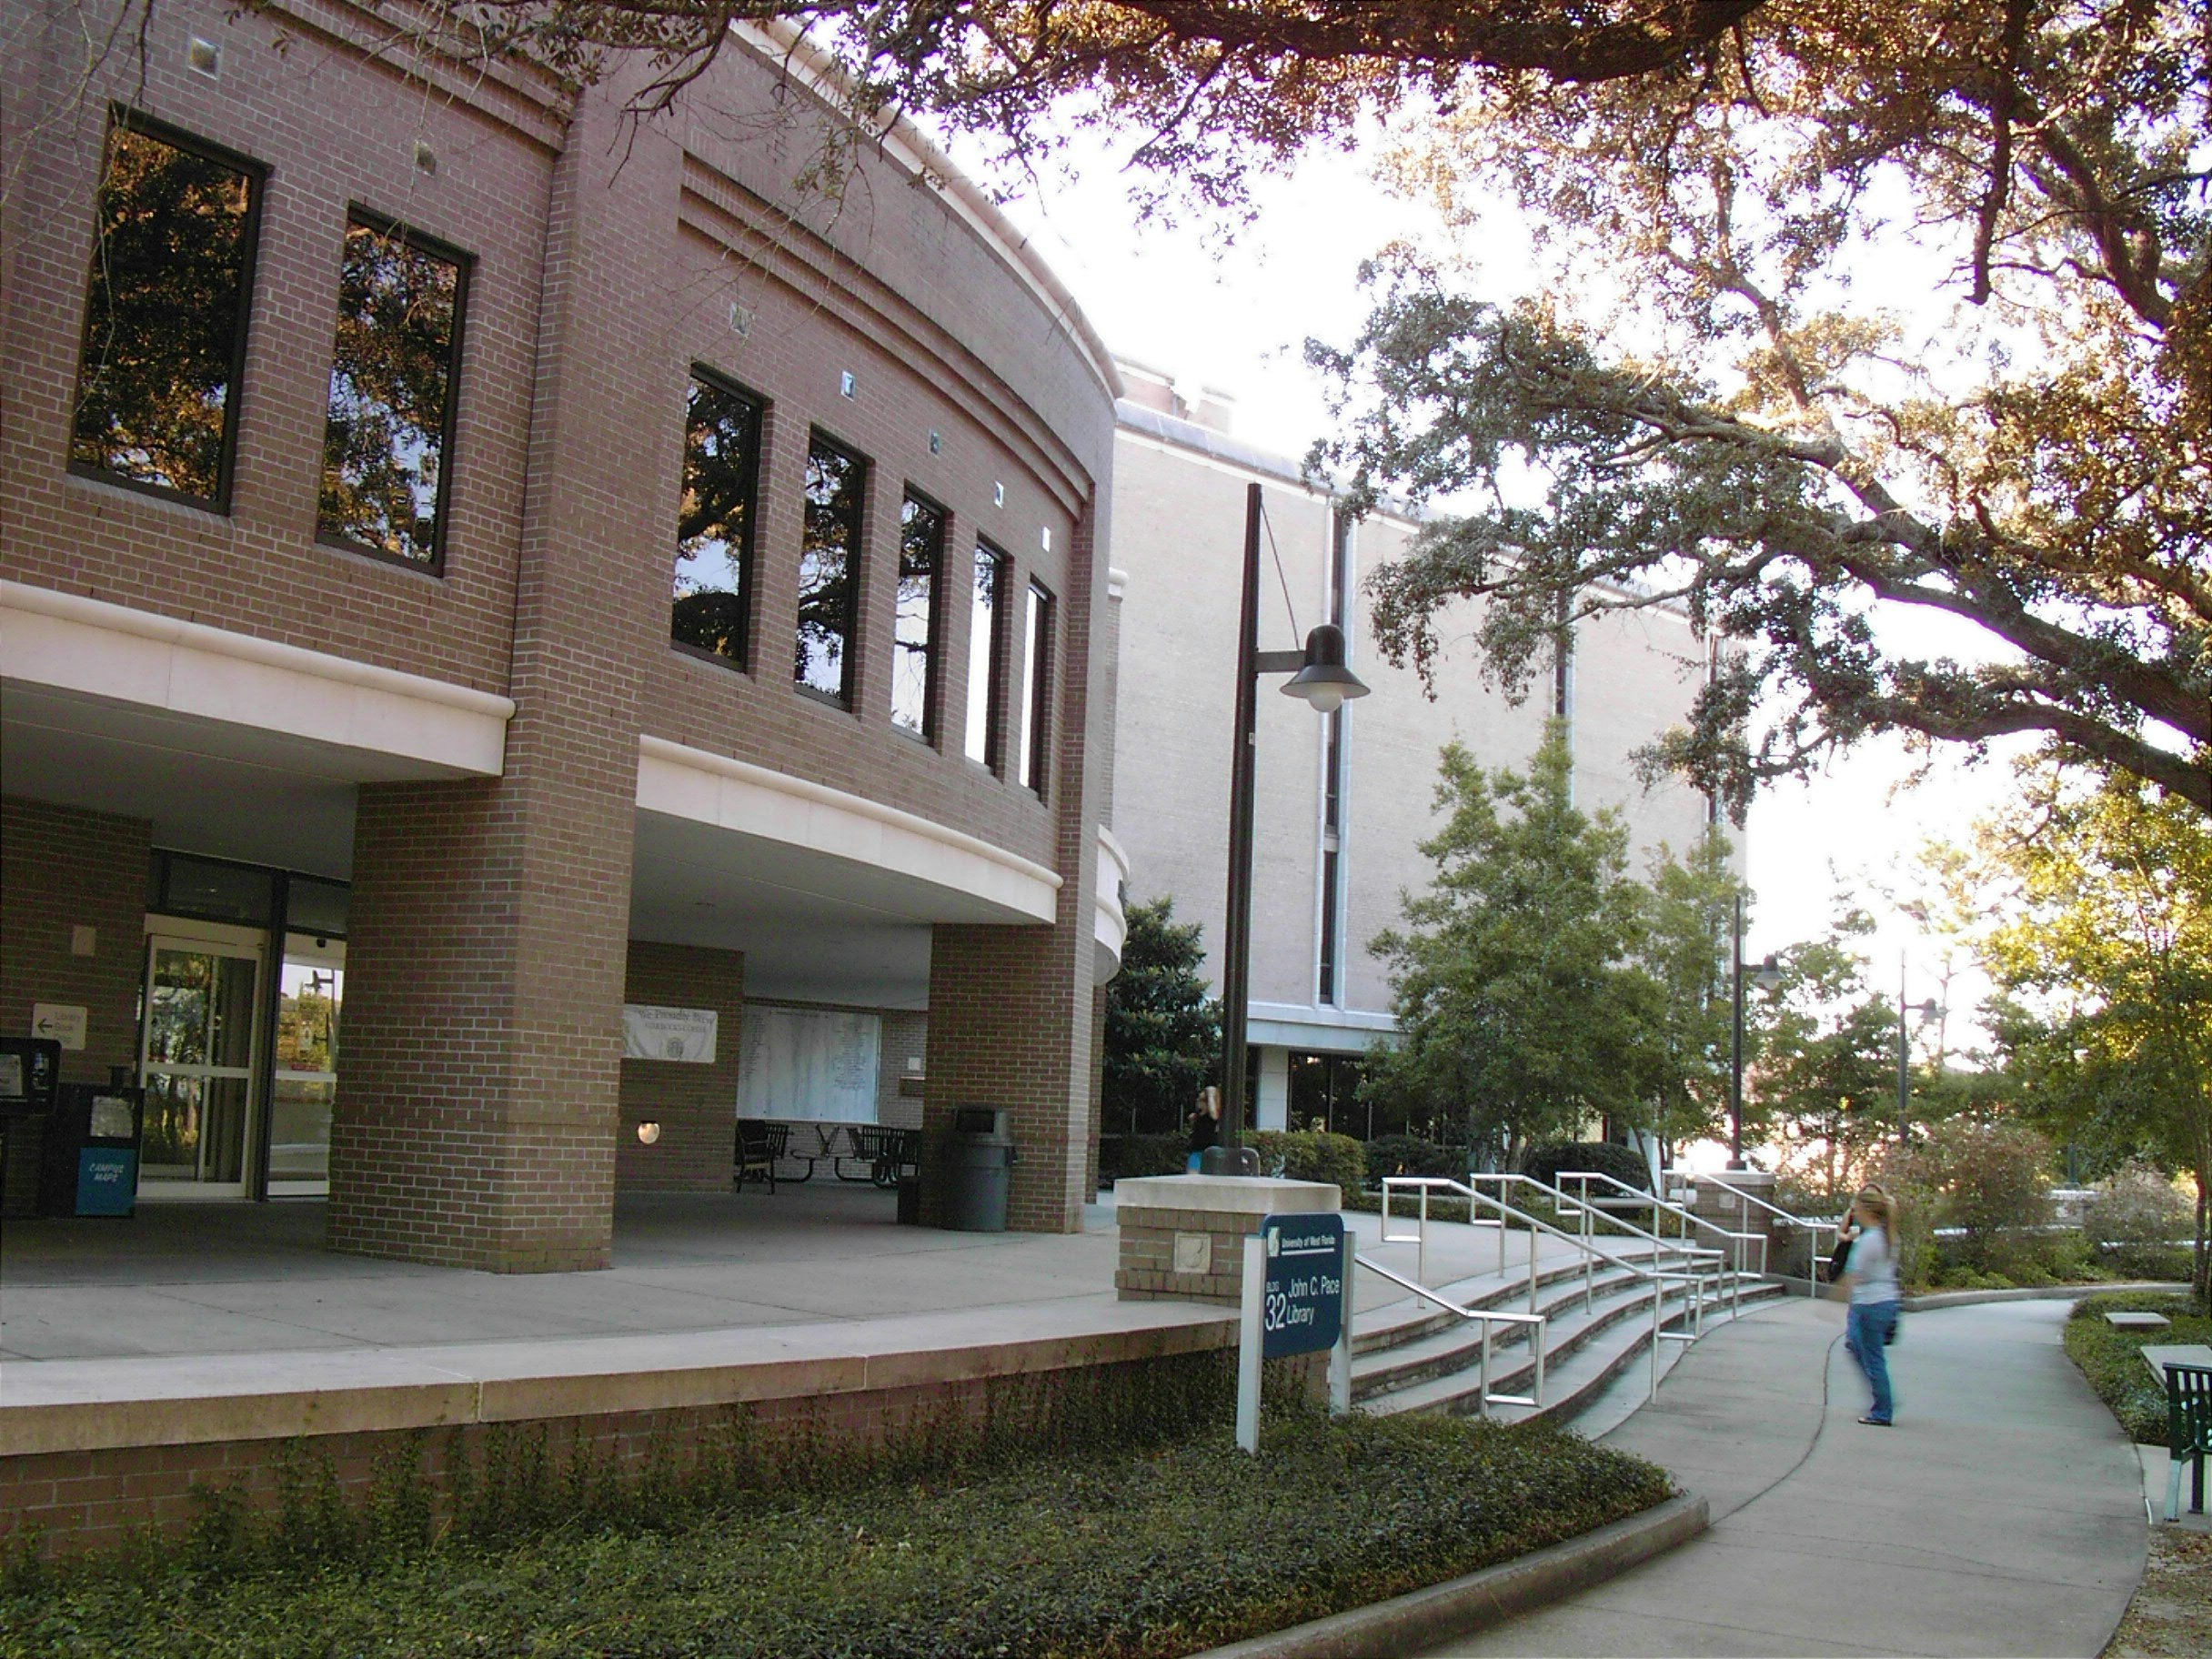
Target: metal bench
2189 1433
759 1146
887 1154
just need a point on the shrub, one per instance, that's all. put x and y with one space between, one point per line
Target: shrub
1411 1155
1545 1162
1106 1552
2135 1219
1135 1155
1996 1180
2112 1361
1312 1155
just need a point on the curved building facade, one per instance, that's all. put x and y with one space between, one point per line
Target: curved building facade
520 624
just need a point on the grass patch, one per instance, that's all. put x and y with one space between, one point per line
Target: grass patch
1101 1554
2112 1360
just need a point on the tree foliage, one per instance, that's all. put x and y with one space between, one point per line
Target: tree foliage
1163 1033
1782 449
1824 1078
2105 955
1518 996
1213 89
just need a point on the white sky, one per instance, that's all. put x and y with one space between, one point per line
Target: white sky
1236 317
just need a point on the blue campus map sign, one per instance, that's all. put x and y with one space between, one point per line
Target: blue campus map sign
1302 1308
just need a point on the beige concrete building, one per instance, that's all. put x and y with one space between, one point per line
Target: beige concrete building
1344 801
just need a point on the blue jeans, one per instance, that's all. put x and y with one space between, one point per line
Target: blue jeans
1867 1335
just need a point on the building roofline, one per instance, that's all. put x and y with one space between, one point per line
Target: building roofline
788 44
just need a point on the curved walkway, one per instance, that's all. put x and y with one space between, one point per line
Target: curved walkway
2002 1516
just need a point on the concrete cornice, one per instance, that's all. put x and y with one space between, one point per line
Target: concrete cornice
795 810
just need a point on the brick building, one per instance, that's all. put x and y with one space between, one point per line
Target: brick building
1344 802
474 564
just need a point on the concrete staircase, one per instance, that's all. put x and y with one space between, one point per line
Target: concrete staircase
1409 1355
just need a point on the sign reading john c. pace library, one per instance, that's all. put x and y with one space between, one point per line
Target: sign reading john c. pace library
1301 1309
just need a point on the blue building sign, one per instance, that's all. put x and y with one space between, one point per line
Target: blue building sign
1302 1308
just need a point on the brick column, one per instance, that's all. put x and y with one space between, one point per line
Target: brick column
694 1104
478 1096
72 931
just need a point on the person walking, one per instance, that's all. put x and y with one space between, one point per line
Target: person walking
1871 1323
1205 1126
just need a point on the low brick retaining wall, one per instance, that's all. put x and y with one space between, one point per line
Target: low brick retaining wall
82 1474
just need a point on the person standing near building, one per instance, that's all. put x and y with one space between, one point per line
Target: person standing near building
1205 1126
1875 1297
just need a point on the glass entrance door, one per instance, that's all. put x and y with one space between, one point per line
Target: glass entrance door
305 1083
196 1060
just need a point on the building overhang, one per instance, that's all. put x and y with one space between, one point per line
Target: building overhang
227 744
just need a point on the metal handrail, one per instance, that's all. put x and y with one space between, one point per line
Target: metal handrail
1744 1199
1688 1217
1488 1316
1658 1277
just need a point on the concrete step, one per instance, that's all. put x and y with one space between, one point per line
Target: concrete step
1583 1350
1411 1318
1440 1349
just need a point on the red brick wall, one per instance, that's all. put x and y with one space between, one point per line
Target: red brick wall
479 1103
80 1501
696 1106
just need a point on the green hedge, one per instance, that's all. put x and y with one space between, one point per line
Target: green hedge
1107 1554
1312 1155
1138 1155
1545 1162
1411 1155
2112 1360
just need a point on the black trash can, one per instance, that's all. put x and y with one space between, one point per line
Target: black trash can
910 1199
978 1159
90 1151
30 1076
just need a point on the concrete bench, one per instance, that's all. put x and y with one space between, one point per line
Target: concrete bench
2138 1321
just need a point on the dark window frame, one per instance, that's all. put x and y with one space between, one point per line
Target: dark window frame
464 263
121 115
848 659
933 669
747 583
993 757
1037 688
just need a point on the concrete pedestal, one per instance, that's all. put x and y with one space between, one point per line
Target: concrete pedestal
1182 1236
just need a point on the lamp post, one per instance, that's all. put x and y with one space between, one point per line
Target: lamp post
1765 975
1319 676
1926 1010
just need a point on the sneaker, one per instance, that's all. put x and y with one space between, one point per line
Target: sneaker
1877 1422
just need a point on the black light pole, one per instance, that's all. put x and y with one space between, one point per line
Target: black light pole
1321 679
1735 1046
1765 973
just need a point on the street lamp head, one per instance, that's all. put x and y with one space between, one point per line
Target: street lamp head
1768 974
1325 680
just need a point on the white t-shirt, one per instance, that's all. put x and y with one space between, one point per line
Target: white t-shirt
1872 1267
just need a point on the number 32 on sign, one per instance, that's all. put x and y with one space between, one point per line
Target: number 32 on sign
1297 1279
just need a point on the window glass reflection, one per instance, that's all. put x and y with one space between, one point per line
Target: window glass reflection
714 532
922 554
828 570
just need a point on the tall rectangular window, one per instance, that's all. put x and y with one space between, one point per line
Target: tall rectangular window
987 657
1036 688
829 570
166 314
922 559
387 447
714 524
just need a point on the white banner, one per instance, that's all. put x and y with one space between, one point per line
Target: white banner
817 1064
682 1034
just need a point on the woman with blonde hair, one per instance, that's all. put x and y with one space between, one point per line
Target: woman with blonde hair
1872 1227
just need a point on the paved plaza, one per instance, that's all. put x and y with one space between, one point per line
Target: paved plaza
2002 1516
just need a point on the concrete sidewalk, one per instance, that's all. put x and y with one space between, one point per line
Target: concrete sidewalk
205 1280
2002 1516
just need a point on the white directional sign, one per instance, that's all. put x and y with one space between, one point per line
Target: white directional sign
64 1024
